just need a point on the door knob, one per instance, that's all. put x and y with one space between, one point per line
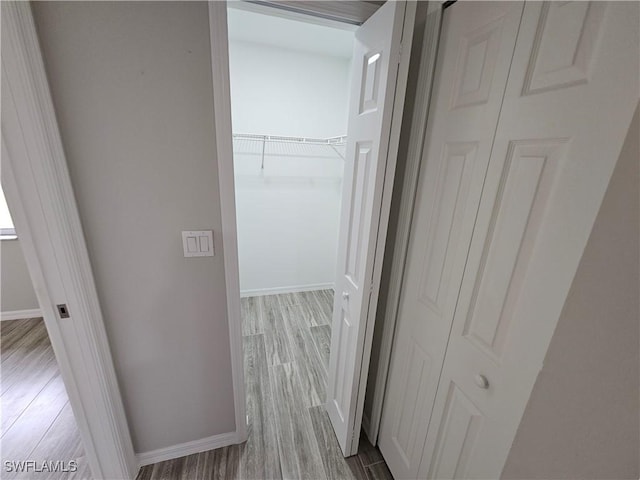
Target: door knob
481 381
345 295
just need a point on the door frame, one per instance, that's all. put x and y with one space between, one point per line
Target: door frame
218 33
224 148
39 193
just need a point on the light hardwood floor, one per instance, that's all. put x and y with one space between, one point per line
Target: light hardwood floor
286 354
37 421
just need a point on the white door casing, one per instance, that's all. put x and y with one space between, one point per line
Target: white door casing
375 110
571 93
476 49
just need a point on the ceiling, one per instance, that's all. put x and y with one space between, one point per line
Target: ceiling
281 32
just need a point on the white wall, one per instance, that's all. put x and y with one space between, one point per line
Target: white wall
582 418
287 92
15 283
288 213
131 85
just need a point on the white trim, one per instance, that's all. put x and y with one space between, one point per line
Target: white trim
353 13
224 146
187 448
258 292
407 199
301 15
408 25
20 314
38 190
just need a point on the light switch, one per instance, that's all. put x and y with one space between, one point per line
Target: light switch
192 244
204 243
198 243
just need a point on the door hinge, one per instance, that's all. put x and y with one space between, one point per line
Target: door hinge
400 54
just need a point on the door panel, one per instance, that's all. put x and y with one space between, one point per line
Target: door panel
571 93
471 74
523 192
457 435
376 65
556 64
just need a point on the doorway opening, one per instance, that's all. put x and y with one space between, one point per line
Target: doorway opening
39 433
290 85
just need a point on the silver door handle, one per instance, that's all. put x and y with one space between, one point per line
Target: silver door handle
345 296
481 381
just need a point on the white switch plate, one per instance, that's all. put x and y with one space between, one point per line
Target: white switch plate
198 243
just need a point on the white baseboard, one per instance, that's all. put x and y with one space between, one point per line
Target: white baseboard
187 448
293 289
21 314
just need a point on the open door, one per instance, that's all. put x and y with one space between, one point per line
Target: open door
378 87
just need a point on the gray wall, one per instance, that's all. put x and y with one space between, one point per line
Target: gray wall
582 418
131 84
15 283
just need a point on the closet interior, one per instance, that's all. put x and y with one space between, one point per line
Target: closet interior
289 98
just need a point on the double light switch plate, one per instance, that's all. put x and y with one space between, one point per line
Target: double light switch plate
198 243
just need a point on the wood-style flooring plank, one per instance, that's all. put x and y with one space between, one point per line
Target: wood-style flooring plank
325 305
18 339
251 312
288 299
22 392
335 465
189 467
145 473
60 443
356 467
367 453
275 337
24 435
314 309
299 453
226 463
169 470
322 339
29 358
37 420
328 296
312 375
22 339
15 331
378 471
260 458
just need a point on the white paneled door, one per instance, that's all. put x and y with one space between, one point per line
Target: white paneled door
476 49
369 162
488 275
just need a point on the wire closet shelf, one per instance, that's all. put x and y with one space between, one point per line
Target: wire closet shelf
282 146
